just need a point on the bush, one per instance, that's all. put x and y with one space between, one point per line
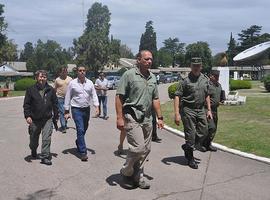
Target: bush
239 84
266 82
172 89
23 84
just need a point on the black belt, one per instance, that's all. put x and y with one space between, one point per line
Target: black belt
193 106
80 108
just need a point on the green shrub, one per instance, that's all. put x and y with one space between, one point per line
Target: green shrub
239 84
266 82
23 84
172 89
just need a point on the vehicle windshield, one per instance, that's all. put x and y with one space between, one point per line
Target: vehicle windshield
110 78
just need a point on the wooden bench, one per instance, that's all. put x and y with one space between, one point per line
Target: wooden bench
5 91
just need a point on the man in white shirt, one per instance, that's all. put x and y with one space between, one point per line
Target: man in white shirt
60 86
80 93
101 86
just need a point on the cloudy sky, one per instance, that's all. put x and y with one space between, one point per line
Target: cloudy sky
189 20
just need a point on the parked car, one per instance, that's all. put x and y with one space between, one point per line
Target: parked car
165 78
113 82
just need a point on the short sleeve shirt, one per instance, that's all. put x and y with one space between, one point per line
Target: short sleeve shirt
102 84
138 92
61 86
193 90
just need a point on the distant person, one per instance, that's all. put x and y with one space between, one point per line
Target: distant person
216 98
136 94
39 103
101 86
80 93
190 98
60 86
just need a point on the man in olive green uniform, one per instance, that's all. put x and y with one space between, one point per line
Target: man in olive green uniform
190 98
135 96
215 93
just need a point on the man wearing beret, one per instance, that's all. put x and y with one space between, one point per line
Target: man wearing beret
215 93
190 99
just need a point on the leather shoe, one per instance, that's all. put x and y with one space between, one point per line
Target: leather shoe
84 158
34 154
46 161
157 139
200 148
192 164
128 182
143 185
212 148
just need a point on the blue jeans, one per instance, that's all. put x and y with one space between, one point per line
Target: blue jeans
61 109
103 100
81 119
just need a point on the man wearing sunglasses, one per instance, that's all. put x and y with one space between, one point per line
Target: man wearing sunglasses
80 93
135 96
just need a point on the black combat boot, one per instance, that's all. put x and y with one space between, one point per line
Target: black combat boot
184 147
191 162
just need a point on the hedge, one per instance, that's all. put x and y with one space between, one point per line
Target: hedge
172 89
23 84
239 84
266 82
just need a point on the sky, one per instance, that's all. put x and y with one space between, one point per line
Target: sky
189 20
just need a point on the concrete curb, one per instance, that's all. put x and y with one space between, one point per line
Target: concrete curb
224 148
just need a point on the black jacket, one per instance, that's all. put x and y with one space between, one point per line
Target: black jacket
38 107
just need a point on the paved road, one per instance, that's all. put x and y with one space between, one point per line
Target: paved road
220 175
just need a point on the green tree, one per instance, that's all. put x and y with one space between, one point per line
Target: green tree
148 41
232 50
3 27
165 58
114 54
199 49
8 52
92 48
27 52
249 37
175 48
125 51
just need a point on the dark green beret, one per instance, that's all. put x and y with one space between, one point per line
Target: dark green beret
196 61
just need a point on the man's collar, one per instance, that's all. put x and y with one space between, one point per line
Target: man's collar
139 73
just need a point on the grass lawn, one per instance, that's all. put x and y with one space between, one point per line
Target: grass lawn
245 127
17 93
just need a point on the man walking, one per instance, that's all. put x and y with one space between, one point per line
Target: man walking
215 93
190 99
60 86
80 93
39 103
135 96
101 86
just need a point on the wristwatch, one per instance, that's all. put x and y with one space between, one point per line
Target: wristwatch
160 118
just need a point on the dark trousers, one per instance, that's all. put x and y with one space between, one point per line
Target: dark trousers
45 127
154 124
212 128
81 118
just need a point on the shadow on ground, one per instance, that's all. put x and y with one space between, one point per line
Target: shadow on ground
29 158
116 179
40 194
181 160
75 152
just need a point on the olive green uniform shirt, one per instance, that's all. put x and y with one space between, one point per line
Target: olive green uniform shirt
138 93
215 94
193 91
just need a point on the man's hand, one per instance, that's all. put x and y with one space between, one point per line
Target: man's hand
177 119
67 116
97 111
160 124
120 124
209 114
29 120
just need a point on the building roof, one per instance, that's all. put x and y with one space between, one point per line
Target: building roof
19 66
127 62
7 70
70 67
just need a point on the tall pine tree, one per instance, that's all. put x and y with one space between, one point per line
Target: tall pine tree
148 41
92 48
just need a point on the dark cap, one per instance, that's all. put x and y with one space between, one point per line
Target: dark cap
215 72
196 61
